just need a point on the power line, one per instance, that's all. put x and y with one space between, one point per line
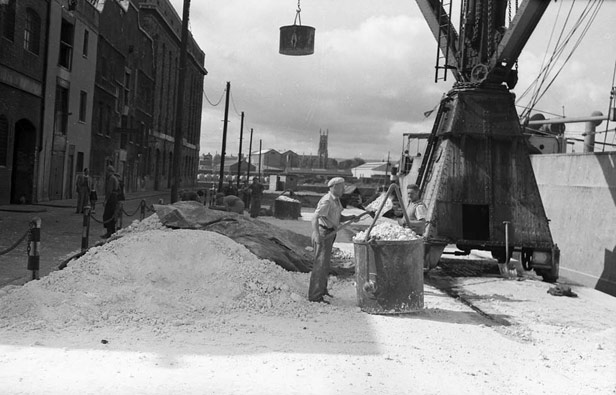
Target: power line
588 14
234 108
219 100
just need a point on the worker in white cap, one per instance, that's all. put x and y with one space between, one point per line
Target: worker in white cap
326 220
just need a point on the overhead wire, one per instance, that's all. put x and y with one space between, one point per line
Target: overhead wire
575 46
219 100
234 107
546 67
537 86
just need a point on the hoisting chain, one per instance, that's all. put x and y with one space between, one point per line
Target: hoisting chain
490 27
297 14
478 11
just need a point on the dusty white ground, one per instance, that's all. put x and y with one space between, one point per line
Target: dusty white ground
192 312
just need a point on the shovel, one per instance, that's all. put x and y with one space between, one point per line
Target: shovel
372 210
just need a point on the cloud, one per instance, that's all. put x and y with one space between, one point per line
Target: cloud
370 79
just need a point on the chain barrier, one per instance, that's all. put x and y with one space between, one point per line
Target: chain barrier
142 203
18 242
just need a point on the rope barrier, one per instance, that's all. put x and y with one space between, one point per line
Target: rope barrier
11 248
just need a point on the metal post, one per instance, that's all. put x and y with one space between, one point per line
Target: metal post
179 106
119 215
34 245
224 138
239 155
85 233
249 156
142 216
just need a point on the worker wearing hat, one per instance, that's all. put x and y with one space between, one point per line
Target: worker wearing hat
326 220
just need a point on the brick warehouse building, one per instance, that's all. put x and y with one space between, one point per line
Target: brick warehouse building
23 37
134 107
164 25
122 96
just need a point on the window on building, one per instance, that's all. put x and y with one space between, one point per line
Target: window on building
83 105
65 58
86 43
103 67
108 121
61 109
7 20
32 32
98 117
131 137
126 87
4 139
123 135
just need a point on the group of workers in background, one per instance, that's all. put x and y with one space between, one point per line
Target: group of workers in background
248 197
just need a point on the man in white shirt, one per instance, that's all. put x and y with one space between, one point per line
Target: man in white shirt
416 210
327 218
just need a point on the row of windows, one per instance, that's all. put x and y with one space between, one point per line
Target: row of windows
32 28
32 33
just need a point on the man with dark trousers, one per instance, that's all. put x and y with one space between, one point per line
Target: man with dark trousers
326 220
112 187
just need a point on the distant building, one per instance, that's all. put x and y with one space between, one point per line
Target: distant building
373 170
322 153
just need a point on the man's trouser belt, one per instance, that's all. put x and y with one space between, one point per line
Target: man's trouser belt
326 228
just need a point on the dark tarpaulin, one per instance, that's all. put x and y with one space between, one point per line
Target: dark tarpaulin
287 249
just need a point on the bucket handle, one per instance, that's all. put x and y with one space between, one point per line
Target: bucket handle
393 188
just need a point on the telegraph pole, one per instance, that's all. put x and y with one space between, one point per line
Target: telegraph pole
260 149
249 155
224 138
179 106
239 155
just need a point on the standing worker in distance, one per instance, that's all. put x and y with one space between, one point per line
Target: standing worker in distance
327 218
256 192
112 186
416 210
83 190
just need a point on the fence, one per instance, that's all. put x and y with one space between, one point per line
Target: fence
33 234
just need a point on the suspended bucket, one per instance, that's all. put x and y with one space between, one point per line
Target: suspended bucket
297 40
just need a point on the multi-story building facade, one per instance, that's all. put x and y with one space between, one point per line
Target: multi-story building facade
23 38
69 81
91 83
163 24
123 110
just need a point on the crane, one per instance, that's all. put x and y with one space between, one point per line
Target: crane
476 176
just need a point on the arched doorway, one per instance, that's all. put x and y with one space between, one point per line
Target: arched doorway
22 178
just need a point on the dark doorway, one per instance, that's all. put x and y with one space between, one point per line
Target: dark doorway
475 222
68 193
157 171
22 179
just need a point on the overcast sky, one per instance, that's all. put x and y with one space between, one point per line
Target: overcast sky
371 76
